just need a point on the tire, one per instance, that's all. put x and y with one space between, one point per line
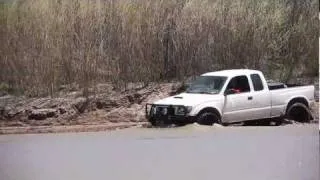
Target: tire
208 118
298 112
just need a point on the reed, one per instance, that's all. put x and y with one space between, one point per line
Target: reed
49 43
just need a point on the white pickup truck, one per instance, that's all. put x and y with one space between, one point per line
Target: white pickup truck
232 96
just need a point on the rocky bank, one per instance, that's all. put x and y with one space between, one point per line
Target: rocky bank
107 108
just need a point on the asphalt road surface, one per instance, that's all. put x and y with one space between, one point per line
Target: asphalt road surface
288 152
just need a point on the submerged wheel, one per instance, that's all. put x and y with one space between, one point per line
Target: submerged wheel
208 118
298 112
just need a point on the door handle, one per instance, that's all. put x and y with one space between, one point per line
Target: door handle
250 98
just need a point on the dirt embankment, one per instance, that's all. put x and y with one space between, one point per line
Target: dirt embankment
107 109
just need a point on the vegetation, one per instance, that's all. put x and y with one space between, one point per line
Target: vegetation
49 43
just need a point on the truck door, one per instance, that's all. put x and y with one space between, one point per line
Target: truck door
238 102
261 98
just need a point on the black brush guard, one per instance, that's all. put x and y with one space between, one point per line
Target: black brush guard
169 118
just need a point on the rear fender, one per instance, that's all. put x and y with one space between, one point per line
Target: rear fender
293 99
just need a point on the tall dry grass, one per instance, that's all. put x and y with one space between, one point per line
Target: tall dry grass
49 43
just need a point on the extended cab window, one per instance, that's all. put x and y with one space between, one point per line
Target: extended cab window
239 84
257 82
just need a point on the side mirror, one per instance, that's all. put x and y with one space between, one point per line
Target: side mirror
229 91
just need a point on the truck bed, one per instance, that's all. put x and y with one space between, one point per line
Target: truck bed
280 96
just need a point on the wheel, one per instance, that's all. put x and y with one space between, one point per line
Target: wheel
298 112
208 118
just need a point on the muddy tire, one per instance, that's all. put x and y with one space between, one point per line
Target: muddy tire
298 112
208 118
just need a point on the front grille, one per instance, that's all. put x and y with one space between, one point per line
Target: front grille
163 110
167 110
167 114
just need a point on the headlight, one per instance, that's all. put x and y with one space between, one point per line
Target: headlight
182 110
164 111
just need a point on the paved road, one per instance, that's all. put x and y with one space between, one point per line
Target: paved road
193 152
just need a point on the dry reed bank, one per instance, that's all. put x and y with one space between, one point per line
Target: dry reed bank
47 44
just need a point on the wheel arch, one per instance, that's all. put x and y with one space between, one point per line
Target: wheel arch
299 99
210 109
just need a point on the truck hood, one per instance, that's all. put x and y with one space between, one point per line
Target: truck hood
189 99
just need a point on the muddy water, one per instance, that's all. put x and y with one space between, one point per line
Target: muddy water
191 152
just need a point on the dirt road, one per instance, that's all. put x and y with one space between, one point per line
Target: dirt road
288 152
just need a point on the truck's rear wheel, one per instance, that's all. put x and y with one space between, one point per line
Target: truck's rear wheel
208 118
298 112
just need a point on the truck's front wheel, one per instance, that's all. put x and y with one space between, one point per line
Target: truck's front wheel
207 118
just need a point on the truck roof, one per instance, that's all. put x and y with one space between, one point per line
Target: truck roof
232 72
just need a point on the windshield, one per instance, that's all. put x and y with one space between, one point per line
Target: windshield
207 85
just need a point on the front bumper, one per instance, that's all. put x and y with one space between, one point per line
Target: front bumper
169 116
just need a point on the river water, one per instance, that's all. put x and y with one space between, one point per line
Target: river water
192 152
